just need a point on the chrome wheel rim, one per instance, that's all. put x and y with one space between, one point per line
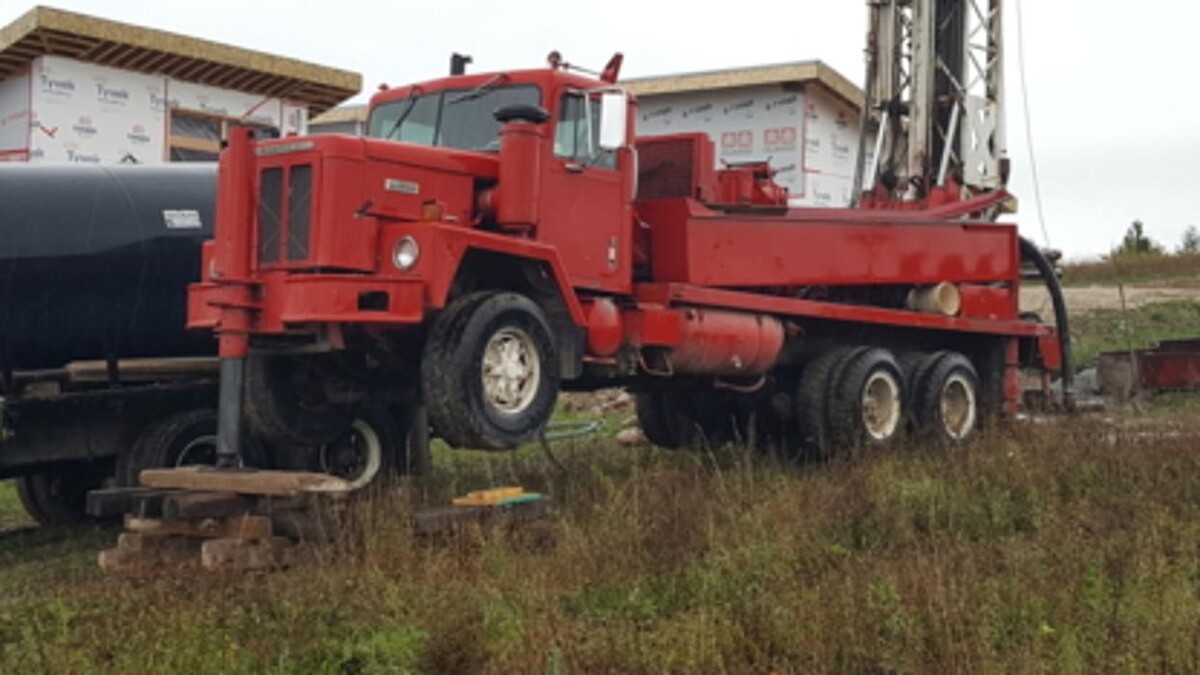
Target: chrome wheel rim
356 457
200 451
511 371
957 404
881 405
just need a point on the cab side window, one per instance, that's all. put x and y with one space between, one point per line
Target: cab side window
576 137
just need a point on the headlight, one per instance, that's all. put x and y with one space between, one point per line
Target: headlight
406 253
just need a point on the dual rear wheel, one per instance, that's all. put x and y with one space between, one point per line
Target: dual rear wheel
850 397
845 398
864 397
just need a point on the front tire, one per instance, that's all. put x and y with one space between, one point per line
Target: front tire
185 438
489 372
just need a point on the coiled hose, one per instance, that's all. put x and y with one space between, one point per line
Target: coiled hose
1033 254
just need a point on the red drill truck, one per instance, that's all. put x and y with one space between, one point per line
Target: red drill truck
500 237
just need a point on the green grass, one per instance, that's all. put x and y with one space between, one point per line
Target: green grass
1056 549
1113 330
12 514
1182 269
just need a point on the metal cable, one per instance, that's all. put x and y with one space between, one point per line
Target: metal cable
1037 189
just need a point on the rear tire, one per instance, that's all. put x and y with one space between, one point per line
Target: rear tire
285 401
58 495
946 402
698 419
867 403
660 413
489 373
186 438
812 401
374 449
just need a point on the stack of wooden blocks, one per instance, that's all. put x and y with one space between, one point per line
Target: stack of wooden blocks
214 520
245 520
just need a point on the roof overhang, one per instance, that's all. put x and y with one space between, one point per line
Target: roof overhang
342 114
800 73
44 30
803 73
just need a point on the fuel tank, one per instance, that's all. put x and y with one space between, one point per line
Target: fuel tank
95 261
727 343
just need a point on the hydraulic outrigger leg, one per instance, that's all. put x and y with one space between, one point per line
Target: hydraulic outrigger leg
232 237
229 412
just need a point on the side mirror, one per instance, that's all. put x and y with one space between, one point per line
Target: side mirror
613 108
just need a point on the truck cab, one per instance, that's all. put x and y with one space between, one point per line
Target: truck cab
558 184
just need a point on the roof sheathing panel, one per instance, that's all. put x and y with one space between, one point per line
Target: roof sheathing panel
803 72
45 30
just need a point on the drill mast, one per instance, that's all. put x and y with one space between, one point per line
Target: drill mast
935 99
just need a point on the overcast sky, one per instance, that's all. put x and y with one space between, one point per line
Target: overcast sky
1114 88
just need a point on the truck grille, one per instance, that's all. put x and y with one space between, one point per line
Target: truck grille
284 218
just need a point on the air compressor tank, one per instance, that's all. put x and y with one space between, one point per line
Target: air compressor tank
95 261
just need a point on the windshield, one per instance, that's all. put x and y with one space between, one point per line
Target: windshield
454 118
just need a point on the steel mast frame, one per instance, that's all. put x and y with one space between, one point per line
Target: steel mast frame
935 99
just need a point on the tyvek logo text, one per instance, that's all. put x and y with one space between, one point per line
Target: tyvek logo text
111 96
57 87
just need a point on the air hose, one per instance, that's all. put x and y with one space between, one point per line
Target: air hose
1033 254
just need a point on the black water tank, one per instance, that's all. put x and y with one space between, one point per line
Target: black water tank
95 260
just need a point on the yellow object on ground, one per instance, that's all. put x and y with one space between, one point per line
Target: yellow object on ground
490 497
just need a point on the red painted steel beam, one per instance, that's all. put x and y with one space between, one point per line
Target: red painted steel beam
683 294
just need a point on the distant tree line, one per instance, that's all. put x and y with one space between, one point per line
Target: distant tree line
1137 242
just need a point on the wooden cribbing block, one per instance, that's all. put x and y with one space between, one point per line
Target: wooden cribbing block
206 505
244 481
140 560
238 554
136 541
111 502
237 527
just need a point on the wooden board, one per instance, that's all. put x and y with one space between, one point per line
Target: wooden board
124 559
239 527
112 502
206 505
238 555
245 481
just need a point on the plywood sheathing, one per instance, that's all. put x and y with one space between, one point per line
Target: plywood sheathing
44 30
803 72
345 113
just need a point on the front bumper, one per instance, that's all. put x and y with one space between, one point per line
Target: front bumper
282 301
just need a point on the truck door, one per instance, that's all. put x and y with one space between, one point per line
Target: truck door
586 209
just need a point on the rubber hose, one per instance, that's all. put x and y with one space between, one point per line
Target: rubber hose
1033 254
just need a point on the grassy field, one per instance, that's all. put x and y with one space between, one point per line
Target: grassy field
1180 270
1113 330
1070 548
1041 548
